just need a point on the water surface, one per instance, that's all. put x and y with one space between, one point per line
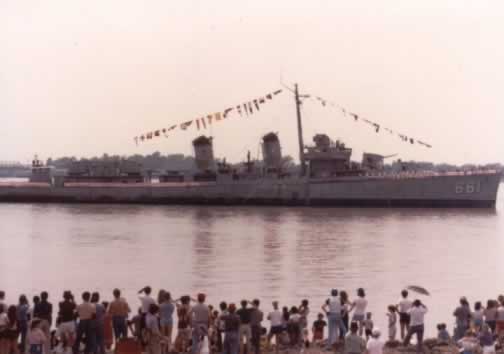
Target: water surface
245 252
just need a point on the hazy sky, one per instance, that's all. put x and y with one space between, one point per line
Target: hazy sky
83 77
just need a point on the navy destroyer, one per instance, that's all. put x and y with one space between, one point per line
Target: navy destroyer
327 177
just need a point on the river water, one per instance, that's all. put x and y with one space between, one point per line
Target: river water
232 253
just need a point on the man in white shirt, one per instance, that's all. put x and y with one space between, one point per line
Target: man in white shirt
403 308
276 319
146 300
333 308
374 344
417 313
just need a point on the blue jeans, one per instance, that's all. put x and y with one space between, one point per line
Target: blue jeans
231 343
23 330
86 328
419 331
335 323
120 327
199 330
100 337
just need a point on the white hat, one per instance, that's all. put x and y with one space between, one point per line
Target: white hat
376 333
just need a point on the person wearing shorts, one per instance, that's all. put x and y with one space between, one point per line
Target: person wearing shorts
359 305
276 325
66 319
404 317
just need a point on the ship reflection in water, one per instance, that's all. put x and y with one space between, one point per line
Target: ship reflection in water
244 252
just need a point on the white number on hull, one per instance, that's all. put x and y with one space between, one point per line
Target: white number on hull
467 188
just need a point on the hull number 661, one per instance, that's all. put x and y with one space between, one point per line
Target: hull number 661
467 188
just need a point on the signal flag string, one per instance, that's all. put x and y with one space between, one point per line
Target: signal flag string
376 126
208 120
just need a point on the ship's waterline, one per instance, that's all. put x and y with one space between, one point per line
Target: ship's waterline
244 252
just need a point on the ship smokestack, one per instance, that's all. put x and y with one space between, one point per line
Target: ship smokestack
203 153
272 152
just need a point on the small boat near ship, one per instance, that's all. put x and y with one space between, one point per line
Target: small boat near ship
327 177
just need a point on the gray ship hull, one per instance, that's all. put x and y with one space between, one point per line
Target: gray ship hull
457 190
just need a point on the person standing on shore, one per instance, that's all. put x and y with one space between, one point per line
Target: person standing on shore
231 329
345 315
392 322
477 316
66 317
294 327
256 318
86 312
499 328
368 325
490 314
44 311
304 311
404 318
153 334
417 313
332 308
184 320
359 306
245 329
119 310
463 319
99 324
36 301
276 320
166 310
23 310
221 326
146 300
200 321
11 332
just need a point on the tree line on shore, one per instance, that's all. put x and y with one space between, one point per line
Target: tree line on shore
180 162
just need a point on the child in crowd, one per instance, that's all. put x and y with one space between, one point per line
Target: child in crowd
392 322
443 336
374 344
477 316
318 329
368 325
294 326
36 338
354 344
135 325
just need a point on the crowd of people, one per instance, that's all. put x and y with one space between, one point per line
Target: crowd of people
91 326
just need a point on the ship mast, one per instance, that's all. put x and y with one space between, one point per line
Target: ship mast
300 129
